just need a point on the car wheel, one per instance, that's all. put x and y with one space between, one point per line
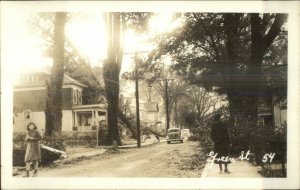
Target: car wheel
168 142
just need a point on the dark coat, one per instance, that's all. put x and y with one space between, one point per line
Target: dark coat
33 150
221 139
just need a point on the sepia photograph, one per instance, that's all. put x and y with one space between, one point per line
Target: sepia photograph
164 95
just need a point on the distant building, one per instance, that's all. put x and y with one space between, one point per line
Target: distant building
149 113
273 108
269 114
30 99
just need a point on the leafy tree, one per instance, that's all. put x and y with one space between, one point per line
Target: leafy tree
53 110
188 116
76 65
196 107
225 53
161 78
115 23
170 90
84 73
203 102
111 71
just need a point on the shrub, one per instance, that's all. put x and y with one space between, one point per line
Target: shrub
261 140
19 140
202 134
56 142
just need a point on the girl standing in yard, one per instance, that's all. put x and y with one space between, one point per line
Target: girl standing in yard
33 150
220 137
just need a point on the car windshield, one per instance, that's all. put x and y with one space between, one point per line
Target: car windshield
173 130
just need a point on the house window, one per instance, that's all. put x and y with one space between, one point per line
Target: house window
27 114
79 97
74 96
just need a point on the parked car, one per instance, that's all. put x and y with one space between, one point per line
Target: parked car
185 133
174 135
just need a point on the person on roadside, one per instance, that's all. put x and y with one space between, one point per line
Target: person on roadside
220 137
33 150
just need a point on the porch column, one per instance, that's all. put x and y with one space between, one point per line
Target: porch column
93 117
96 118
75 118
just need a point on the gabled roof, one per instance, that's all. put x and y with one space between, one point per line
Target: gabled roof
146 106
42 77
68 79
151 106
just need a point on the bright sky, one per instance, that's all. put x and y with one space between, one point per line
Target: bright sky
87 34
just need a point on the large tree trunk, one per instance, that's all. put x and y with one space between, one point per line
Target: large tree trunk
260 42
111 71
231 80
112 96
244 93
53 110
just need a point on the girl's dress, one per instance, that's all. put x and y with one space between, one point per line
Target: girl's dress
33 150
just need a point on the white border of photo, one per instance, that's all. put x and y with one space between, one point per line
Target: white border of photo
9 8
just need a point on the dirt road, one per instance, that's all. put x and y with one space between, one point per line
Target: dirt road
162 160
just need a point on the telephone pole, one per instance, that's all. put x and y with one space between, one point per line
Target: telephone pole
167 105
136 78
138 126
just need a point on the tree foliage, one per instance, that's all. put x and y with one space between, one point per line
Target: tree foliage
76 65
84 73
116 23
225 53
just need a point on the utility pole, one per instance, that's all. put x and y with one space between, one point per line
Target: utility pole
175 112
136 78
167 105
138 127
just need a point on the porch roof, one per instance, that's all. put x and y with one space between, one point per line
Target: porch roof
100 107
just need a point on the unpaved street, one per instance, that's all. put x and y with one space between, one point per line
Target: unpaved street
162 160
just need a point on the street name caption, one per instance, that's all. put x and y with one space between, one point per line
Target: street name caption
268 157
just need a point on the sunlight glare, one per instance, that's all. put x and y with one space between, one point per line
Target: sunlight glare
89 37
135 42
163 22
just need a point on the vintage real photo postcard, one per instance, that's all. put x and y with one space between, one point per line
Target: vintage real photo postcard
150 95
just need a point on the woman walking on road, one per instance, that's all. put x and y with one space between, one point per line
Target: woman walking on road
220 137
33 150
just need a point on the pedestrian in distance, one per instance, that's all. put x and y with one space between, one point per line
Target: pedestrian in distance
33 150
220 137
